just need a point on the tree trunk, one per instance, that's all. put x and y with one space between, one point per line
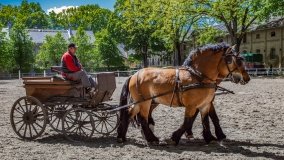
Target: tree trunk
177 61
145 56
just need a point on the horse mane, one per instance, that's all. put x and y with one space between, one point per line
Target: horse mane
212 47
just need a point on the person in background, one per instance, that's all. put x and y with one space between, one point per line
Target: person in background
72 69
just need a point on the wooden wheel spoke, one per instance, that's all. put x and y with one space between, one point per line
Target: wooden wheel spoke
31 135
19 111
86 128
26 105
19 122
21 107
58 123
34 129
25 131
38 125
98 124
106 126
84 132
21 127
53 120
109 123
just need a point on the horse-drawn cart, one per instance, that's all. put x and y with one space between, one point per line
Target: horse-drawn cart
65 106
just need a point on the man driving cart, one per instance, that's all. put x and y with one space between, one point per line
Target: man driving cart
72 69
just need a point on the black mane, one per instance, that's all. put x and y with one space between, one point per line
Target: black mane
213 47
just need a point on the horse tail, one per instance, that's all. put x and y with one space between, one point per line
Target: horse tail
124 114
124 93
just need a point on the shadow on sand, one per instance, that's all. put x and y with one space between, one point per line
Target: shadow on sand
229 147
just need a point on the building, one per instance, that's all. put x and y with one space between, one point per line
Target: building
266 39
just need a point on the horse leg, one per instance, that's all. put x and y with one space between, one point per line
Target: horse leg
188 133
207 135
188 120
143 119
123 125
151 121
218 130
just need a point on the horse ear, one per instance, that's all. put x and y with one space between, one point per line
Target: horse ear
234 50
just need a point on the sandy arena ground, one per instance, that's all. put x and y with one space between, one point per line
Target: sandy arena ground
252 119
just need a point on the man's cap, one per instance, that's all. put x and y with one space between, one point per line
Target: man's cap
72 45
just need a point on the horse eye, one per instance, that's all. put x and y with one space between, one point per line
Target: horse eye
228 59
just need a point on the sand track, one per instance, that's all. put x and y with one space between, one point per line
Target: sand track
252 119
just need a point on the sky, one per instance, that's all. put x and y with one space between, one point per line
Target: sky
58 5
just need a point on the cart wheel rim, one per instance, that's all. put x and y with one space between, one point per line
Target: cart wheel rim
82 128
105 122
28 118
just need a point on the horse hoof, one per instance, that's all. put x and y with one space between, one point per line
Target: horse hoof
154 143
120 140
170 142
189 136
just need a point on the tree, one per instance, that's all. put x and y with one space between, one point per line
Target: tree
239 15
29 14
85 50
6 60
106 50
175 19
207 34
89 17
51 51
21 47
133 22
8 14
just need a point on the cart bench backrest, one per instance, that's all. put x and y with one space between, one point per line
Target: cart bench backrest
105 86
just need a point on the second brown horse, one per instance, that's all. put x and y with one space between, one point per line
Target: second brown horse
192 87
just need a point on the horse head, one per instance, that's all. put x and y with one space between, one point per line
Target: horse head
232 66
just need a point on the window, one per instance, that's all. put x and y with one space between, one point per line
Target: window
257 36
257 51
273 34
245 38
272 54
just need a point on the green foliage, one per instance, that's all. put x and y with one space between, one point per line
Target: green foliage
51 51
21 48
207 35
85 51
106 50
238 16
30 15
6 60
135 25
175 19
90 17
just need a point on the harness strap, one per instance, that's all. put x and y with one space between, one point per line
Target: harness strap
176 89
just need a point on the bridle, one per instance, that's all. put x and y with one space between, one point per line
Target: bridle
229 60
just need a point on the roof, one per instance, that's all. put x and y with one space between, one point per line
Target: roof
38 35
274 23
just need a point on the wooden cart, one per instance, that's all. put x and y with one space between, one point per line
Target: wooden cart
65 106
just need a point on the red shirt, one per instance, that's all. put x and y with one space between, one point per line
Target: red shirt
70 63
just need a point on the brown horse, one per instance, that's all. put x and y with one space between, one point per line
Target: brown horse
212 112
192 88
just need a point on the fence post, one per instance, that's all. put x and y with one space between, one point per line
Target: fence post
44 73
118 73
19 74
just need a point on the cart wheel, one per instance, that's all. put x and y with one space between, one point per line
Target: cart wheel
105 122
56 114
28 118
82 124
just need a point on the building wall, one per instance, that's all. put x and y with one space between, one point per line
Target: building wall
262 41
